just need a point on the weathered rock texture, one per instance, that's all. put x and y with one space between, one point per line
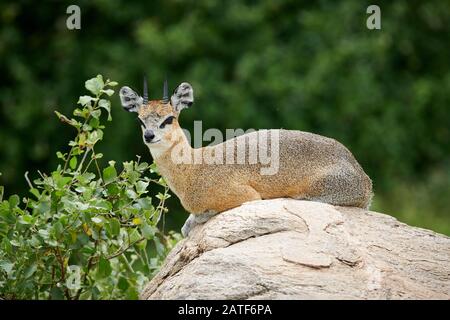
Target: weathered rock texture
291 249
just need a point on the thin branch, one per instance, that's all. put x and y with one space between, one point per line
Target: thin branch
121 251
83 159
53 283
96 164
89 266
28 180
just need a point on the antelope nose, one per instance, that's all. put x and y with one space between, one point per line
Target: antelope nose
148 135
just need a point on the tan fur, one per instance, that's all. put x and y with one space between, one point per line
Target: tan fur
311 167
155 108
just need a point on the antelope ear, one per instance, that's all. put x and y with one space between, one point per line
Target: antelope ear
182 97
130 100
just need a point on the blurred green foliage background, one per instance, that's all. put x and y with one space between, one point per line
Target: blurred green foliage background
295 64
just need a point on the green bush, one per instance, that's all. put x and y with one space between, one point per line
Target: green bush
86 232
293 64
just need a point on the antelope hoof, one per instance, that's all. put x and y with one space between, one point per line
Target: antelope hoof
203 217
194 220
188 225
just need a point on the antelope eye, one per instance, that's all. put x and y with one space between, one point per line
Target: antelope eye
141 122
169 120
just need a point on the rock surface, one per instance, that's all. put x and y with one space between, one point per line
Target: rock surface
292 249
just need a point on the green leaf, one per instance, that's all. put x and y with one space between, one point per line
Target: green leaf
97 156
73 163
95 85
43 207
95 136
145 203
147 231
134 236
96 113
104 267
109 92
159 246
15 243
109 174
131 194
14 200
57 293
43 233
84 100
26 219
133 176
30 271
123 284
100 204
113 189
154 168
60 180
94 123
142 244
35 192
128 166
59 155
97 220
142 166
84 113
113 227
106 104
58 228
6 266
162 196
86 177
141 187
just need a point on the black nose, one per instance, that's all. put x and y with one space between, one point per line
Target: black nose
148 135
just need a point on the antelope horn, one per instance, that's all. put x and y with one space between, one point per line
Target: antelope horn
145 91
165 92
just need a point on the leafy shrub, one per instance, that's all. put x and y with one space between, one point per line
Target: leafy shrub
86 232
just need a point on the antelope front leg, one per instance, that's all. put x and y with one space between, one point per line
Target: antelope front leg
188 225
194 220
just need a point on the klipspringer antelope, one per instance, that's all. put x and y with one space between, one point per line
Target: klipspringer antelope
311 167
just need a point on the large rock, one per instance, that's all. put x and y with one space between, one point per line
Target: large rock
292 249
